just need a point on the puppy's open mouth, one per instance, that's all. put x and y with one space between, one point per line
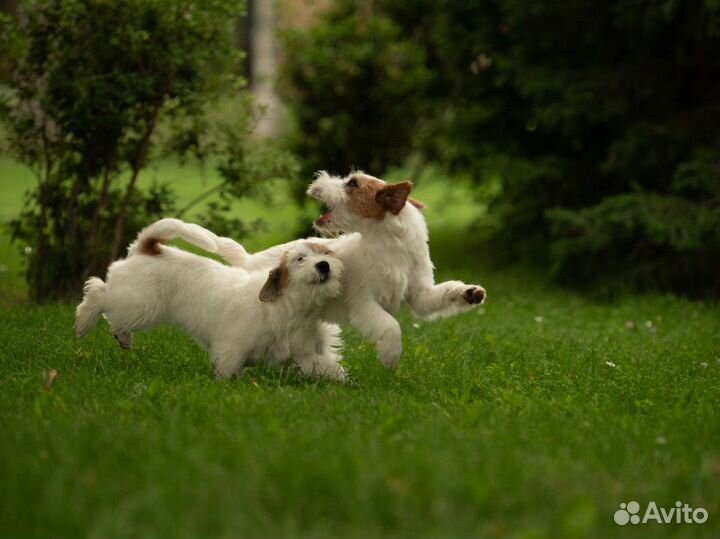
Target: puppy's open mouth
324 219
322 278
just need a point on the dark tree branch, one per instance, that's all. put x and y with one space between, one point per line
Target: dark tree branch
202 196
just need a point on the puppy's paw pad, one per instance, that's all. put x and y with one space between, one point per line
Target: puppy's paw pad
474 295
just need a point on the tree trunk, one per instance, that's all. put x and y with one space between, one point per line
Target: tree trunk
263 64
96 227
137 166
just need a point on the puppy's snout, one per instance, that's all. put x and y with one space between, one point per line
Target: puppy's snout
323 267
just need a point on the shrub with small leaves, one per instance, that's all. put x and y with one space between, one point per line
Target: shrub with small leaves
97 90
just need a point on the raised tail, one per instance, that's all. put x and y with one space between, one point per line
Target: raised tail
169 229
92 306
232 252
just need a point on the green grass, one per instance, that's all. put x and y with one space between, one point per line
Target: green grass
509 421
495 425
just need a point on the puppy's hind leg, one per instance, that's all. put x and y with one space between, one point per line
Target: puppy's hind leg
92 306
124 339
122 336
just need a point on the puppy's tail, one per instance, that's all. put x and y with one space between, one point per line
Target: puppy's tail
169 229
92 306
232 252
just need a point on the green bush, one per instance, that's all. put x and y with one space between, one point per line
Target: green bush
97 90
355 86
639 241
603 116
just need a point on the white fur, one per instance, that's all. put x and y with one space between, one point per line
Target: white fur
220 306
386 261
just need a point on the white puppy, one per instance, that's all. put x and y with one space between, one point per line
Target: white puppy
240 316
386 263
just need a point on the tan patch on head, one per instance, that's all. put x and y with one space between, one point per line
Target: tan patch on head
277 280
318 248
371 197
150 246
362 198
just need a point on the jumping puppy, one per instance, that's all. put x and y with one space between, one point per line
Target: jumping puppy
386 263
240 316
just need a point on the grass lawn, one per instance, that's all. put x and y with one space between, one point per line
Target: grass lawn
533 417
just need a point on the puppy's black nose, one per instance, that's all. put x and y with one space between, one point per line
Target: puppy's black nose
323 267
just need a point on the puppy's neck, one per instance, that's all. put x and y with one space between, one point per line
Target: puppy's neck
303 310
406 231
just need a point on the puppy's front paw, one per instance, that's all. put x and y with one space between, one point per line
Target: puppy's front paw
339 375
474 294
335 372
389 351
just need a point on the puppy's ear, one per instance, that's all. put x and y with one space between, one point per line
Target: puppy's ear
276 281
393 196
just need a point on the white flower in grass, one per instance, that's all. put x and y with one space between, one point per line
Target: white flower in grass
27 250
704 364
416 325
630 324
539 319
661 440
139 389
648 324
610 364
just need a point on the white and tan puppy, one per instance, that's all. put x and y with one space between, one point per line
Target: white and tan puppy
241 316
387 263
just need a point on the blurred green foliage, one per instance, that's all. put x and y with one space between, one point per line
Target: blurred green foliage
599 119
97 91
354 84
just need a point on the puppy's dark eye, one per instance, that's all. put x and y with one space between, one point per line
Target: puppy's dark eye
300 258
352 182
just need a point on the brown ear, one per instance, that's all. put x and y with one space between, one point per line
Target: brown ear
419 204
276 281
393 196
